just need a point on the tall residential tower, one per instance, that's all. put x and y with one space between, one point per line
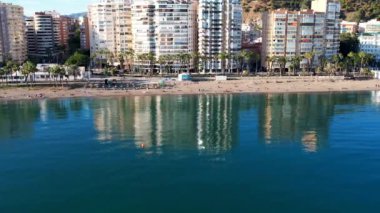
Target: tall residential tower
331 9
12 33
110 26
219 30
164 28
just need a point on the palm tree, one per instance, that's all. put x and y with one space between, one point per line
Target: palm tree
282 60
239 59
365 59
309 57
214 58
73 70
121 59
354 59
223 56
195 57
322 63
184 60
204 59
151 58
256 57
295 63
57 71
336 60
130 55
270 60
162 61
362 56
248 56
27 68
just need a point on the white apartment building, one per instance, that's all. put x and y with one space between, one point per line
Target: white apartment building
370 38
371 26
331 8
370 43
12 33
110 26
293 33
164 27
219 31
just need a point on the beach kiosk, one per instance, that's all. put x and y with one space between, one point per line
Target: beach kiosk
184 77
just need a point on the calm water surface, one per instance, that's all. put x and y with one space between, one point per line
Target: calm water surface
210 153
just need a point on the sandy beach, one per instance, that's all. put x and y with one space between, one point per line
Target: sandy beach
248 85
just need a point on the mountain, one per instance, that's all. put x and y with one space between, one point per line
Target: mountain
77 15
368 9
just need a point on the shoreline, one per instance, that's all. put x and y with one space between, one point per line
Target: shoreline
243 86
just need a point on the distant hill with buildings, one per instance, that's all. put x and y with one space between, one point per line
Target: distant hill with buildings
77 15
352 10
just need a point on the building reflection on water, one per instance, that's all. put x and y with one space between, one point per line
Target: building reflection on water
208 123
180 122
305 118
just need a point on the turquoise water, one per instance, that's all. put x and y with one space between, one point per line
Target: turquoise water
216 153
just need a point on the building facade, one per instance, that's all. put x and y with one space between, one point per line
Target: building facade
348 27
110 27
219 31
47 35
370 43
164 28
371 26
292 33
295 33
331 8
370 38
12 33
84 33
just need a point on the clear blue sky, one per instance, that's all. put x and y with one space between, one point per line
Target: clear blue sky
62 6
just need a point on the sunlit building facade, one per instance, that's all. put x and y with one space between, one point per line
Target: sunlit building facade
12 33
163 27
110 26
219 31
293 33
331 9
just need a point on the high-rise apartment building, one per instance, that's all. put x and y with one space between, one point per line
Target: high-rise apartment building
84 33
219 31
295 33
331 8
164 27
292 33
66 29
110 26
43 36
12 33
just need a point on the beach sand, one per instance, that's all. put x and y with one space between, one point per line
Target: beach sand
248 85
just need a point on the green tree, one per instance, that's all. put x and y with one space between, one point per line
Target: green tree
282 60
28 68
77 59
348 43
223 57
310 58
73 70
355 60
295 63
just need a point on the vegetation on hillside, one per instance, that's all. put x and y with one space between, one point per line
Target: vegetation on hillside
352 10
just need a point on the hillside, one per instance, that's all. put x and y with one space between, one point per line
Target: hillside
368 9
